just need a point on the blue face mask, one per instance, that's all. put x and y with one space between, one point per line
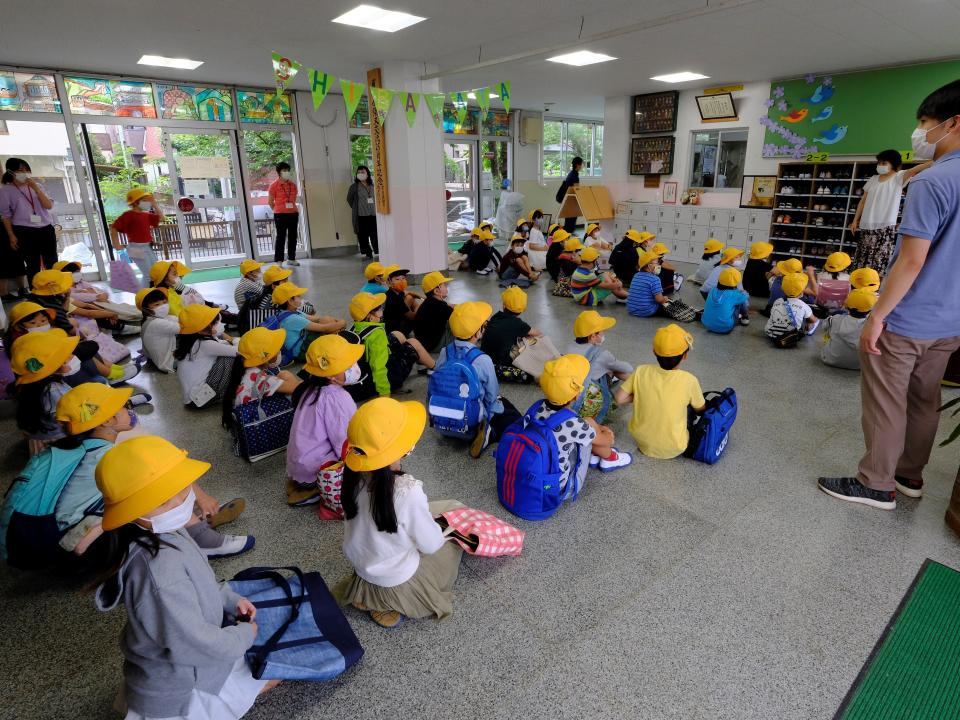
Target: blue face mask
133 418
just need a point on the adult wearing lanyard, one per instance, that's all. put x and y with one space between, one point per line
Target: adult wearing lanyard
282 195
572 180
361 200
25 210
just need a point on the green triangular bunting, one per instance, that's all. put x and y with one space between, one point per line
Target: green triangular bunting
505 95
320 83
410 102
483 100
459 100
352 93
382 100
435 102
284 70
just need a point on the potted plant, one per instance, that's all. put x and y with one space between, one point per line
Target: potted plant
953 510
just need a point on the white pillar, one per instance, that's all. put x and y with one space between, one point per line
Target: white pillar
414 234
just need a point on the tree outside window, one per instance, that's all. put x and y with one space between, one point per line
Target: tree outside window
564 140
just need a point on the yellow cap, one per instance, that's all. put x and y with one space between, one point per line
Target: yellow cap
514 299
137 194
194 318
382 431
589 322
260 345
671 341
553 228
52 282
38 355
521 222
865 279
374 269
330 355
794 284
90 405
660 249
475 231
560 235
730 254
730 277
142 294
790 265
485 224
646 258
589 255
562 379
713 246
485 235
467 318
248 266
432 279
140 475
591 227
633 235
160 269
275 273
572 244
70 266
861 299
760 250
362 304
837 262
392 271
24 309
282 293
517 237
534 212
647 236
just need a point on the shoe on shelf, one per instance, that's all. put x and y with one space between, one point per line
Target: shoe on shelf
851 490
388 619
232 545
228 512
615 461
481 441
910 488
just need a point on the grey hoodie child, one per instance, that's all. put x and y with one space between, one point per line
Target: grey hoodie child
173 641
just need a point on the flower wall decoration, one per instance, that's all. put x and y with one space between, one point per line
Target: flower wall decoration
796 138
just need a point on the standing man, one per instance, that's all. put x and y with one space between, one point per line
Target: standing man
572 179
915 326
282 196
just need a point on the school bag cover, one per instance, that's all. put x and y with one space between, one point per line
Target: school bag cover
301 632
29 534
454 392
528 466
711 431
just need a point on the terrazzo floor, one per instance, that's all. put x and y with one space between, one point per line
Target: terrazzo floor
667 590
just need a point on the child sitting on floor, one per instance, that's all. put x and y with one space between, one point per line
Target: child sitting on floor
708 261
588 287
731 257
536 245
758 270
504 331
605 369
158 331
515 268
662 397
841 346
376 279
301 329
830 286
591 238
255 374
552 262
401 305
484 258
41 361
790 313
430 323
626 255
204 355
251 283
82 290
646 298
865 279
670 279
727 304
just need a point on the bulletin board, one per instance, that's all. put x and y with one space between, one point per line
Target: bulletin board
858 113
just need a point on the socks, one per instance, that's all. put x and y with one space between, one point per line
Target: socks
204 535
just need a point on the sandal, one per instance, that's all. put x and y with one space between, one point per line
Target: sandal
388 619
228 512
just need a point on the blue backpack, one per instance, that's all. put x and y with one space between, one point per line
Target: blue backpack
275 322
454 394
711 431
528 466
29 534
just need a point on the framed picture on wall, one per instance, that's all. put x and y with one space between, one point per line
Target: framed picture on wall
651 155
758 191
670 193
655 112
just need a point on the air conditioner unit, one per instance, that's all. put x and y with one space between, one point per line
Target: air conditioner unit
532 130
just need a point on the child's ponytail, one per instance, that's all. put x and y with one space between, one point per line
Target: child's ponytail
230 394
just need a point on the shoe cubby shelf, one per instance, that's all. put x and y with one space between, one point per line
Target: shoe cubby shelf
812 241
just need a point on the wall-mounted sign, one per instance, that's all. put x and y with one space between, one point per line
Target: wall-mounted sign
378 147
723 89
716 108
203 167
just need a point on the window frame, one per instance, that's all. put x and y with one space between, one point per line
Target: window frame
691 166
566 156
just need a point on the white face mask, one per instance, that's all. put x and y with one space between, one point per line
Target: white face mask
883 169
174 518
352 375
656 270
218 328
21 177
923 150
285 174
145 205
161 311
362 176
737 263
73 365
41 328
603 339
78 277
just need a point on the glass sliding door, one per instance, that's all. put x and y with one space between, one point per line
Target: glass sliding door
461 190
494 169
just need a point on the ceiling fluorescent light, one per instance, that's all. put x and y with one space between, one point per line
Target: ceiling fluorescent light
161 61
679 77
581 58
375 18
473 96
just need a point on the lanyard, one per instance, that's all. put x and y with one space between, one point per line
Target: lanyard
289 190
29 196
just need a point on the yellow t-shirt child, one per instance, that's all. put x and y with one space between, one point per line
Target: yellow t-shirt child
660 401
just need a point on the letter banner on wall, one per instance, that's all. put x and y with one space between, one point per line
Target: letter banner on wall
435 102
352 92
284 71
410 102
483 100
320 83
382 100
505 95
459 100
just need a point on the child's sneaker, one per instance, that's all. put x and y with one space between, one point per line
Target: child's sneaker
744 320
484 272
295 263
851 490
140 399
481 441
594 460
615 461
231 545
121 373
299 495
677 281
813 329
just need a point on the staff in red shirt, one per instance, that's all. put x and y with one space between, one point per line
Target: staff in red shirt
282 195
137 224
